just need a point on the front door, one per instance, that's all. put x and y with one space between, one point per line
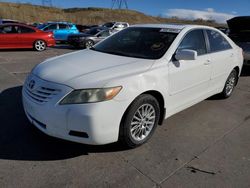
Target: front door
9 37
189 79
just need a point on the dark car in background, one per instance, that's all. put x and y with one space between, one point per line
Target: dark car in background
240 33
89 38
61 30
15 35
84 28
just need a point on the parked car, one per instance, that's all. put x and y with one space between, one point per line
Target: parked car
23 36
84 28
116 26
89 38
223 29
61 30
240 33
129 83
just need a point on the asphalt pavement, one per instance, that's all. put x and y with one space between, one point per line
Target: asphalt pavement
207 145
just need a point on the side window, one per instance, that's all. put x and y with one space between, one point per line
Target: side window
26 30
104 34
194 40
63 26
51 27
125 25
217 41
6 29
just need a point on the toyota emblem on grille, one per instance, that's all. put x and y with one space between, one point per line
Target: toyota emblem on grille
31 84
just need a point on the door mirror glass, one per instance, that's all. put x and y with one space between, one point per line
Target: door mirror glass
186 55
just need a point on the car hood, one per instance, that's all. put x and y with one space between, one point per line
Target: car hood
89 68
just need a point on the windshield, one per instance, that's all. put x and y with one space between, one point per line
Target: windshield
93 31
147 43
41 26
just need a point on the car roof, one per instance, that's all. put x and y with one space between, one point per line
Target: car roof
51 22
18 24
7 19
170 26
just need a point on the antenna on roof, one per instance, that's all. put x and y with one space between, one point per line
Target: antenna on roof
47 3
119 4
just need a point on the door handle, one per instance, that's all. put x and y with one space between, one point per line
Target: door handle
231 55
207 62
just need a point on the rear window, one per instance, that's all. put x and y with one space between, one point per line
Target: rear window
217 41
63 26
26 30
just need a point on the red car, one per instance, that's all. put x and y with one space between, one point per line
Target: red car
15 35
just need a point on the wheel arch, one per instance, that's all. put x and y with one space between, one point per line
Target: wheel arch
237 68
159 97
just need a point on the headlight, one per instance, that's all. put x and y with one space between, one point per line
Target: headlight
90 95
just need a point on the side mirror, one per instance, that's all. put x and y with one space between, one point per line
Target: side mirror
186 55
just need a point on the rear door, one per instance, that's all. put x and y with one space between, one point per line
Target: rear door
26 36
189 79
221 55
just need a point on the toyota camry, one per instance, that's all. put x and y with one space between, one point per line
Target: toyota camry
126 85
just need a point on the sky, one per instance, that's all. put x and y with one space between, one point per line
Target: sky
219 10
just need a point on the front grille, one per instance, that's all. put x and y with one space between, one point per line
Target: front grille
40 94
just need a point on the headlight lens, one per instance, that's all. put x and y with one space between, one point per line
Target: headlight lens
90 95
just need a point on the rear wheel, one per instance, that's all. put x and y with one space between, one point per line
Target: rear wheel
230 84
40 45
140 121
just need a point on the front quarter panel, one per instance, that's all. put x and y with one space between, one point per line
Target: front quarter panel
154 79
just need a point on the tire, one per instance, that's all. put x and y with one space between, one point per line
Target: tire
136 128
230 84
40 45
89 43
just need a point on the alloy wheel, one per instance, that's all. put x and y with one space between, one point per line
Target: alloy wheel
230 84
40 45
89 44
142 122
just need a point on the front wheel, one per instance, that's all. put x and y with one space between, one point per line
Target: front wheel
40 45
140 121
89 44
230 84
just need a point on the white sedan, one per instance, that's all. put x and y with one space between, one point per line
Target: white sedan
125 86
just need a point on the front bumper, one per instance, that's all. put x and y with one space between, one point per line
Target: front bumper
93 123
51 42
